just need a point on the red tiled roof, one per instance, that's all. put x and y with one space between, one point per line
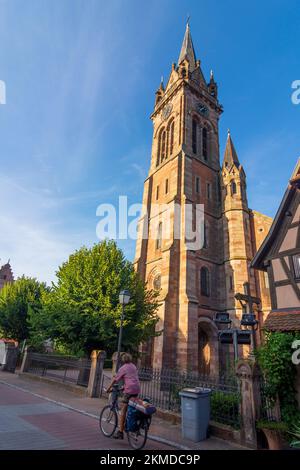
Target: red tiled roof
283 320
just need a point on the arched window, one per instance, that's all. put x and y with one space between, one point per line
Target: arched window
194 135
233 188
163 146
204 281
171 137
159 236
204 143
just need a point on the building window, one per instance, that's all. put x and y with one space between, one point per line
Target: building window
204 143
208 190
296 263
197 184
157 192
194 135
163 146
159 236
204 282
231 283
167 186
233 188
171 136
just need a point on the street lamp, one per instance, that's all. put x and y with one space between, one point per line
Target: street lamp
124 298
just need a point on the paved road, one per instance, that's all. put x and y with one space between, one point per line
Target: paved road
29 422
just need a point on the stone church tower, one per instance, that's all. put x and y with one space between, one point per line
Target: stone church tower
194 281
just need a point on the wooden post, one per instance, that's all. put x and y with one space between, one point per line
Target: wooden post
97 358
248 374
25 360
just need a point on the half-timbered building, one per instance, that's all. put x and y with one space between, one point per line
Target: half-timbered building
279 256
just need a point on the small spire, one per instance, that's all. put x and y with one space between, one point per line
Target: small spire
211 75
230 155
187 48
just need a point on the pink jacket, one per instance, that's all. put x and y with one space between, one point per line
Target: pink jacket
128 373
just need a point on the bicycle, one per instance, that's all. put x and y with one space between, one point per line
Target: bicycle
108 422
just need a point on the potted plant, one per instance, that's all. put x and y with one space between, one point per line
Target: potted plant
275 432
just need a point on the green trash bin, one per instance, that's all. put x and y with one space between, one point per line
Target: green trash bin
195 413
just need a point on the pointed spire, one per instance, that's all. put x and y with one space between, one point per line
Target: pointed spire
187 49
230 155
161 87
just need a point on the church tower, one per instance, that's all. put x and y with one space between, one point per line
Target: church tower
244 230
184 172
194 281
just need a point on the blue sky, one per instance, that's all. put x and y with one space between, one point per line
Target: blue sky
80 80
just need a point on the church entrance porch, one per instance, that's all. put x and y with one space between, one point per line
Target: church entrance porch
208 348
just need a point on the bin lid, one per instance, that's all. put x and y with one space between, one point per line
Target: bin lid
195 392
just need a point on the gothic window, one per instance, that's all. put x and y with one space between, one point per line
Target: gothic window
204 281
171 136
233 188
204 143
231 283
197 184
159 236
194 135
163 146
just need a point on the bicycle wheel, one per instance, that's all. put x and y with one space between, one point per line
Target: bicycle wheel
108 421
138 439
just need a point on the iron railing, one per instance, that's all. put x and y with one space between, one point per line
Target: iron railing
61 368
162 386
268 411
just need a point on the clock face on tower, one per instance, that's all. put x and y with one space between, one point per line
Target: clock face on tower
202 109
166 111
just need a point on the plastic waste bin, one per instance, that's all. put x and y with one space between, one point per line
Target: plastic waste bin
195 413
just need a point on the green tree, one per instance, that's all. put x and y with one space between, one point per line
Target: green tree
17 299
82 312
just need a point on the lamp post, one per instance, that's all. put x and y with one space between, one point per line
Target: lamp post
124 298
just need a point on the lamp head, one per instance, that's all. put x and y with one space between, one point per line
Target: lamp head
124 297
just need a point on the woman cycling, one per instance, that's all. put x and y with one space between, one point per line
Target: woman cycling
129 375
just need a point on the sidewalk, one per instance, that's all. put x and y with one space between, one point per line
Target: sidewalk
160 431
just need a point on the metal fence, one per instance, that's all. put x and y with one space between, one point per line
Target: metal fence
268 411
162 386
62 368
